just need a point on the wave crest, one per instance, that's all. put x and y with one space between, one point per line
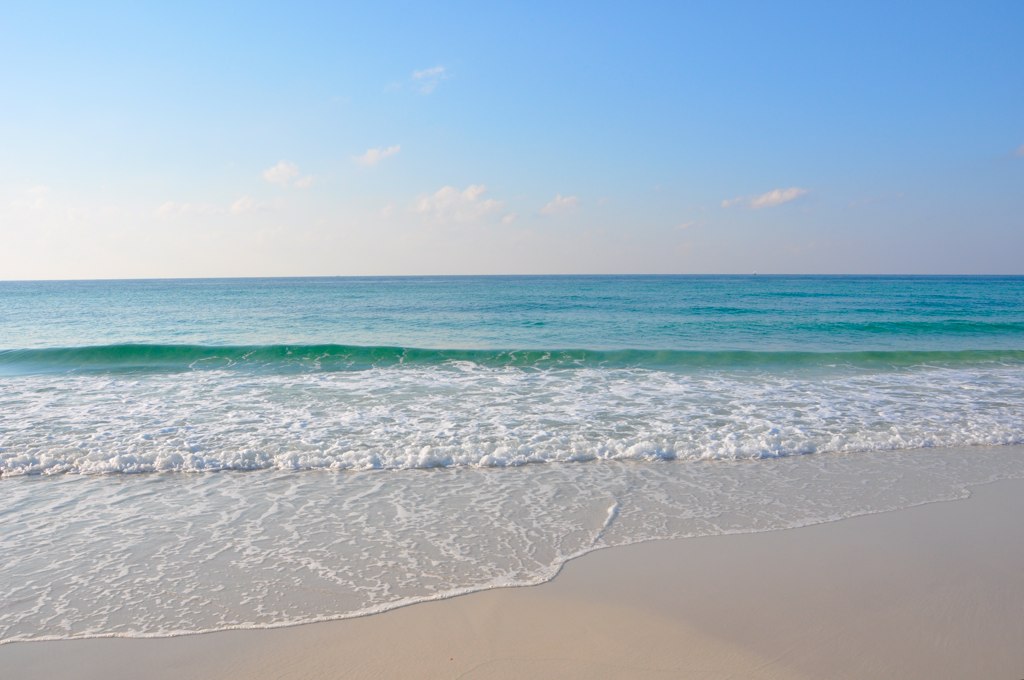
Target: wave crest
329 357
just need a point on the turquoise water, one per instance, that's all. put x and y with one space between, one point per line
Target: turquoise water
693 313
385 441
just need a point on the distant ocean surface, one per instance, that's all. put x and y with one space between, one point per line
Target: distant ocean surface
381 441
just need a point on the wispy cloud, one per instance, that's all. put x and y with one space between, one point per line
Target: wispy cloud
428 79
374 156
282 173
243 205
768 199
448 204
560 204
1020 151
777 197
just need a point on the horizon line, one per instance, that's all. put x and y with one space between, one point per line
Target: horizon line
523 276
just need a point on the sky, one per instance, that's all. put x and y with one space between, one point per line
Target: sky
324 139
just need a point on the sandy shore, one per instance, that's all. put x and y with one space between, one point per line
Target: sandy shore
935 591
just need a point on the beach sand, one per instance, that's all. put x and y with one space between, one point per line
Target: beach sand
935 591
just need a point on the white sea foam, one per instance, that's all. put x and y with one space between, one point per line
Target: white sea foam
339 517
465 415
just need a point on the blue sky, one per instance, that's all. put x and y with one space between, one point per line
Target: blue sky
316 139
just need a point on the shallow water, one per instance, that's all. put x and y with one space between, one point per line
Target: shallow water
168 554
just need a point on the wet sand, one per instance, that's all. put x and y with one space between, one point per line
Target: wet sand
935 591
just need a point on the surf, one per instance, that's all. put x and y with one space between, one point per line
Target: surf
286 358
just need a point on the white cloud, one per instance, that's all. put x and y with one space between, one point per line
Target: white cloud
374 156
448 204
509 218
768 199
304 182
777 197
428 79
282 173
243 205
560 204
683 226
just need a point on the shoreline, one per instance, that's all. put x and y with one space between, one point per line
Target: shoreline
905 481
664 608
473 590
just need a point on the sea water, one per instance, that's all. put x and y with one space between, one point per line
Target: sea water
193 455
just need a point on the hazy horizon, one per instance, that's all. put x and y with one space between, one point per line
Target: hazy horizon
883 275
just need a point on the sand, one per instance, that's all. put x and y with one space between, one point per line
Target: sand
935 591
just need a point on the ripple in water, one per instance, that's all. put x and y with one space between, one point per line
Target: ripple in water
158 555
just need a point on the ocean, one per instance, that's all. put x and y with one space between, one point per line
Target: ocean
181 456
